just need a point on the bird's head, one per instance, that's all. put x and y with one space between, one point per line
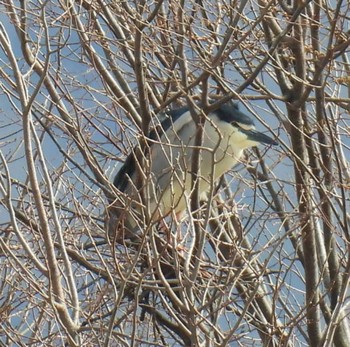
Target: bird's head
238 126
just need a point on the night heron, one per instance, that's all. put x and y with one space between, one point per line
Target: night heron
160 183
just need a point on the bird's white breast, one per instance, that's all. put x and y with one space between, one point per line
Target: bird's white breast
171 161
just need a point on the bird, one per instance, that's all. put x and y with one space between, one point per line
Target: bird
160 183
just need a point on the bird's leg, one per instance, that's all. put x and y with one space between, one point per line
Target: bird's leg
178 217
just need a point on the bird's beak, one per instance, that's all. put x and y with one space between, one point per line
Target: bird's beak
258 137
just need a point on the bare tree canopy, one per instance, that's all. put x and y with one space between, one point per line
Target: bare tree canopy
262 260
